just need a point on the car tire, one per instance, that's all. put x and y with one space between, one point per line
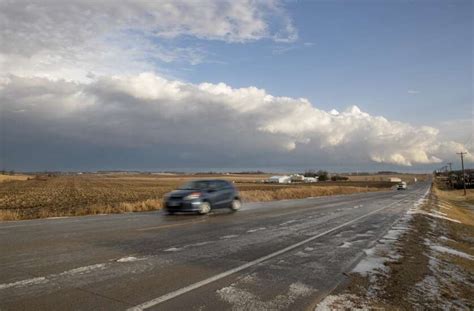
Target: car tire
204 208
235 205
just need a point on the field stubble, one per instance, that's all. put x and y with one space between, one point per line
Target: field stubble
104 194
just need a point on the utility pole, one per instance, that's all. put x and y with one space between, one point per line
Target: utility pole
462 166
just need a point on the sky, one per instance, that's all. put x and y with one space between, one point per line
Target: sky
235 85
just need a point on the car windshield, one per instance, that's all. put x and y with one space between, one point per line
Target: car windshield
197 185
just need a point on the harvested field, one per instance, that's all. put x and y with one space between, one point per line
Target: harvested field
53 196
409 178
13 177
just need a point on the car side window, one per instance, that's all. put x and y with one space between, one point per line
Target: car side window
213 185
224 184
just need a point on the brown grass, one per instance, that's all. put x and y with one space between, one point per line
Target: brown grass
4 178
89 194
409 178
300 192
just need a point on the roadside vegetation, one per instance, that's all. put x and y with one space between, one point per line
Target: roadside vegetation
29 197
10 177
431 263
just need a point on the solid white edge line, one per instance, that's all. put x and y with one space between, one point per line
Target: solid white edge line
186 289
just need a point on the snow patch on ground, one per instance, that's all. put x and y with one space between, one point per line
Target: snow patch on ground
22 283
243 299
346 245
302 254
287 222
444 249
83 270
129 259
43 280
230 236
256 229
339 302
173 249
373 261
177 249
436 215
433 213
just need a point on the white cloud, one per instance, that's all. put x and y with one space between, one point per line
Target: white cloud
147 110
67 39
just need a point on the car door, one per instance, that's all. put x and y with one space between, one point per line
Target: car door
213 194
226 193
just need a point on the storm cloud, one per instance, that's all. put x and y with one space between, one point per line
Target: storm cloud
212 121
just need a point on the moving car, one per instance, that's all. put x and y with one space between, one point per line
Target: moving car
201 196
402 186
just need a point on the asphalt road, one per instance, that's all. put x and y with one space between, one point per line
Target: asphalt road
284 255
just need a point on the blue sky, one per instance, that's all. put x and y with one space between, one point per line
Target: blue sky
227 84
407 60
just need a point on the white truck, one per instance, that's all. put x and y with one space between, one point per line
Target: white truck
402 186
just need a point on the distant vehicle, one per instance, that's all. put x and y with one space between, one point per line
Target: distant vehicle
402 186
201 196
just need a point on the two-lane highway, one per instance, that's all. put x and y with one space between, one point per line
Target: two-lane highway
269 256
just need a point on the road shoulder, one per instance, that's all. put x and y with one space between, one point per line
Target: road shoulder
426 259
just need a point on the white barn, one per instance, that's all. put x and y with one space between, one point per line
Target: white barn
280 179
310 179
297 177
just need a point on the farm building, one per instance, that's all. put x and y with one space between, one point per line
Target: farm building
395 179
297 178
310 179
279 179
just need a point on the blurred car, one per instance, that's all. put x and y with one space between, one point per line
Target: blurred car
402 186
201 196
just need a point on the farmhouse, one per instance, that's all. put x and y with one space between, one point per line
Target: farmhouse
280 179
297 178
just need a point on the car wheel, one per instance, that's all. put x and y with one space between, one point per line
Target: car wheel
235 205
204 208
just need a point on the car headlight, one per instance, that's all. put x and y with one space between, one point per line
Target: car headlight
192 196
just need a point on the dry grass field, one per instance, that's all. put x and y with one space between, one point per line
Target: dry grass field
12 177
117 193
409 178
